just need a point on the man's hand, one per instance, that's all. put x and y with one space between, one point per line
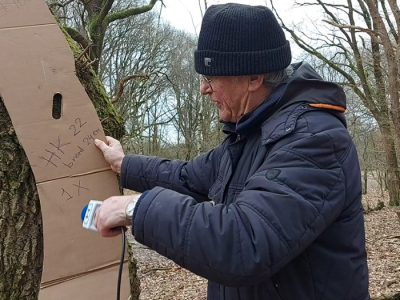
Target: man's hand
112 151
110 217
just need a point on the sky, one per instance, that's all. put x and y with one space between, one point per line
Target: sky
186 14
180 12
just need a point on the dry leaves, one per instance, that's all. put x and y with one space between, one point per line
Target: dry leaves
383 247
161 279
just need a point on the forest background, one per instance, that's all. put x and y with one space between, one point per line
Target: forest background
135 60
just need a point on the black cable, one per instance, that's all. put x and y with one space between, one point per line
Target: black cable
121 264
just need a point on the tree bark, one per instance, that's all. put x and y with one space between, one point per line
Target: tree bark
365 187
133 276
393 174
21 234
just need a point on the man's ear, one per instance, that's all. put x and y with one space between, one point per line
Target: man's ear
255 82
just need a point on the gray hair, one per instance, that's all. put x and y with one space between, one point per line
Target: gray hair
275 78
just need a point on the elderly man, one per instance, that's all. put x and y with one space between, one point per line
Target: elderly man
274 212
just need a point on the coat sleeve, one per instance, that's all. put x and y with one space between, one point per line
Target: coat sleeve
283 208
194 177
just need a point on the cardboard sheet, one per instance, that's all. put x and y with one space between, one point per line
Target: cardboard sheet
88 287
36 67
69 248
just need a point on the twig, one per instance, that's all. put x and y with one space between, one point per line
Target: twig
105 119
394 237
156 269
142 247
91 63
390 282
393 243
374 35
84 51
121 85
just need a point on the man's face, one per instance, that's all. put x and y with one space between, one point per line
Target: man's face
230 95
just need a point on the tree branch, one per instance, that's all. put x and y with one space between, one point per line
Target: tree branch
305 46
362 74
396 14
394 83
201 10
59 4
130 12
84 51
122 83
367 99
333 17
366 15
105 10
77 36
372 33
336 6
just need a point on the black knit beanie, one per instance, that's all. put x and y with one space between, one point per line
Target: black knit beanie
237 39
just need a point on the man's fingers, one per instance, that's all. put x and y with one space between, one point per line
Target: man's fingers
110 232
111 141
96 219
101 145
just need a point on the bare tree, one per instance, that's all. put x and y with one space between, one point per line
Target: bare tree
87 21
196 116
366 57
139 46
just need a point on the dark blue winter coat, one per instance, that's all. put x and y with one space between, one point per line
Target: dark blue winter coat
285 221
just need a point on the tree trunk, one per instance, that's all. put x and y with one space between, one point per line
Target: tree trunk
21 247
385 181
393 174
21 235
381 179
133 276
365 187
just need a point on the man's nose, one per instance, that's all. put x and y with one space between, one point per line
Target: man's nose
205 88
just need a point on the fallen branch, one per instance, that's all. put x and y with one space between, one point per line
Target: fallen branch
390 282
122 83
142 247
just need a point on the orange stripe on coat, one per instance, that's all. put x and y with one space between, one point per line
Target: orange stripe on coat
328 106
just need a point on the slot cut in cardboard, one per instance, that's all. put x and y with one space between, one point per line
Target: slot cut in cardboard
57 106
